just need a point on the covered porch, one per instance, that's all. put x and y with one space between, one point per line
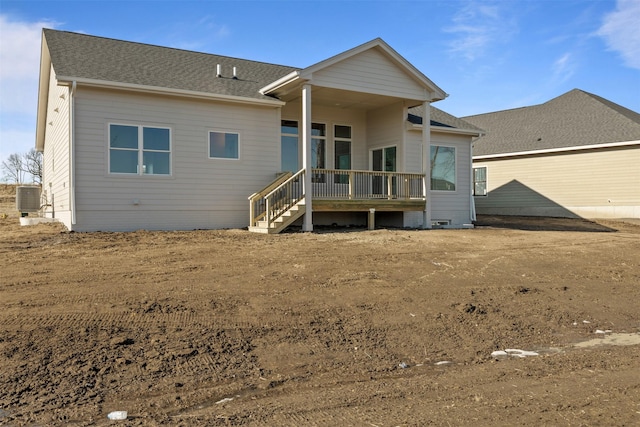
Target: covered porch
344 140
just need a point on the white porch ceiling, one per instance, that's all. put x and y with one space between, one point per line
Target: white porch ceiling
338 98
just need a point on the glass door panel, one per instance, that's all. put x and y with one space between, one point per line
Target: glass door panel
383 160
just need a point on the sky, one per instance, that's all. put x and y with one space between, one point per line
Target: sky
488 55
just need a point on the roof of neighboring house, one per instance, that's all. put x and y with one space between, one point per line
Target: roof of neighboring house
79 56
441 119
576 118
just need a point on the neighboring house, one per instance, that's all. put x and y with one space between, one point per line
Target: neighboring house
577 155
136 136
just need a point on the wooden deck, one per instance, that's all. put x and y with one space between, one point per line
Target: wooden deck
334 190
381 205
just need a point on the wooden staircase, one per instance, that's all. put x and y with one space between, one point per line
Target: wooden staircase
278 205
281 222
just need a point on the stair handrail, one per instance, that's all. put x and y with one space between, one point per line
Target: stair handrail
255 197
275 210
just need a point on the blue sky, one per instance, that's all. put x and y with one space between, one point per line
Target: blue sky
488 55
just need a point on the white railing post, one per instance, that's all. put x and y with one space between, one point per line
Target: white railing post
267 211
352 185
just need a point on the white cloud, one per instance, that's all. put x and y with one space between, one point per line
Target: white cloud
563 68
20 59
620 31
477 26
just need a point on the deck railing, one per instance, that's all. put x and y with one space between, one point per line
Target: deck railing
257 209
333 184
276 198
344 184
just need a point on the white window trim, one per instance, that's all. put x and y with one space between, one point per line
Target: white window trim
382 147
284 119
486 182
455 150
140 150
324 138
341 139
225 131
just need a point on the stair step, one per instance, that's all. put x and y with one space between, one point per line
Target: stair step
280 223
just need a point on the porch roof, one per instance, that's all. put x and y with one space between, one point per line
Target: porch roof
444 121
346 95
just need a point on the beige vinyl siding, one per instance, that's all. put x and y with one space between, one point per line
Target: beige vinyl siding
595 183
56 159
413 163
454 206
371 72
385 128
200 192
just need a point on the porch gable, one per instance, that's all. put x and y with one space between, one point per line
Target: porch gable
373 68
371 72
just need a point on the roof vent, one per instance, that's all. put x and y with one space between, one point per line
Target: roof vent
218 71
235 74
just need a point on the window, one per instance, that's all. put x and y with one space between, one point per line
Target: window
480 181
318 145
443 168
342 150
289 146
224 145
139 150
318 150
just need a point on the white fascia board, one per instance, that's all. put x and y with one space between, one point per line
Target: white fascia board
291 77
558 150
443 129
62 80
43 92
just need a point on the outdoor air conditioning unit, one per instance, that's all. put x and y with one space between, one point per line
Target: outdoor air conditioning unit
27 198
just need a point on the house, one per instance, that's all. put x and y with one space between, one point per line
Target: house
577 155
137 136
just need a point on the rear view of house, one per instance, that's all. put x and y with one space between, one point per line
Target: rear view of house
577 155
137 136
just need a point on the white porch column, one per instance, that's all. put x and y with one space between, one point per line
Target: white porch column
426 162
306 156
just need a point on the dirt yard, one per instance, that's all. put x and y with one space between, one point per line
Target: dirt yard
338 327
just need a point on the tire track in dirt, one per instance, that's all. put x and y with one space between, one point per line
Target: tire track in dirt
130 320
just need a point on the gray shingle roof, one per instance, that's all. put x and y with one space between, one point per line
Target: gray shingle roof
82 56
440 118
576 118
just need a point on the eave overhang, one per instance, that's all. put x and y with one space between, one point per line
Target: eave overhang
275 87
557 150
43 91
444 129
66 80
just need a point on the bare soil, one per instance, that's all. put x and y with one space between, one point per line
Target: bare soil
339 327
